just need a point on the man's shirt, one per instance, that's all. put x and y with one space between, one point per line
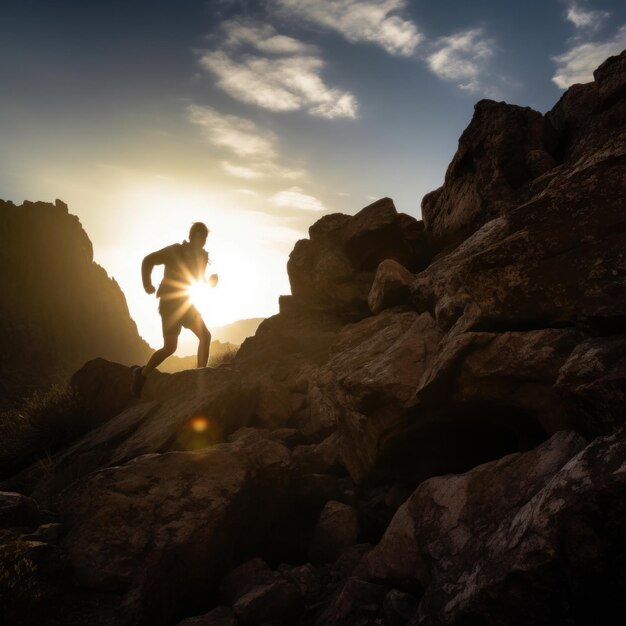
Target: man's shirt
182 267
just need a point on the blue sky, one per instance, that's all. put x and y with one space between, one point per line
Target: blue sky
260 117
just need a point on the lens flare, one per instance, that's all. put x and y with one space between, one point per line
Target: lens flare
199 424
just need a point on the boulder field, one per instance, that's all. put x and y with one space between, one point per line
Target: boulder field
430 431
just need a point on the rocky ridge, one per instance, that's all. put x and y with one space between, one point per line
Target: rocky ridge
431 431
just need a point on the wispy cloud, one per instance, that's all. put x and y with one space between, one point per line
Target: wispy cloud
248 192
241 171
461 58
287 76
280 84
375 21
241 136
585 19
577 64
262 169
262 37
237 134
295 198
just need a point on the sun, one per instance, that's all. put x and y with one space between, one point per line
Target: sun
198 293
217 305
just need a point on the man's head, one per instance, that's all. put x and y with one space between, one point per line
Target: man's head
198 234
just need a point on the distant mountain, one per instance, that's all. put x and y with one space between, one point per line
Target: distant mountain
58 308
237 332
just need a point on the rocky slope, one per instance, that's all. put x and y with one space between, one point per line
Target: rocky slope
431 431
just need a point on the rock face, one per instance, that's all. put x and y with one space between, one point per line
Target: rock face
530 538
58 307
503 149
431 431
333 270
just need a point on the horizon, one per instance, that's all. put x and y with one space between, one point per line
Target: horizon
259 119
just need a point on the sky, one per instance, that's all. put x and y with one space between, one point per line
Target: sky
258 118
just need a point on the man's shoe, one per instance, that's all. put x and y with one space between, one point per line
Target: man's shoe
139 380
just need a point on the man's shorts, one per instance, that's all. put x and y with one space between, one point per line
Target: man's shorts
176 313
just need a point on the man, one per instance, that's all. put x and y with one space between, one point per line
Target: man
184 264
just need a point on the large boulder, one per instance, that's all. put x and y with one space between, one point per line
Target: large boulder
163 527
371 381
535 537
334 269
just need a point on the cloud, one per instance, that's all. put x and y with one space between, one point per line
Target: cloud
256 65
248 192
577 64
372 21
295 198
582 19
279 84
263 37
262 169
461 58
246 140
241 171
237 134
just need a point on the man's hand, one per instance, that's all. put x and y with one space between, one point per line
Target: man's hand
150 289
213 280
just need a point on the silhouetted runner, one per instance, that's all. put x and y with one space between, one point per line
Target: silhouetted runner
184 263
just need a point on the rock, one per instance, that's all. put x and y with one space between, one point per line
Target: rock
323 415
399 607
520 270
162 523
306 578
333 270
504 147
371 379
500 383
337 529
50 286
592 384
48 533
321 458
220 616
392 286
183 411
358 603
273 407
260 595
103 387
19 511
497 542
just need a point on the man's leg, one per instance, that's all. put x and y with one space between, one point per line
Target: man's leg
169 347
204 337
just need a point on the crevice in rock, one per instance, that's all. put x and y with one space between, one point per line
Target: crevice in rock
457 440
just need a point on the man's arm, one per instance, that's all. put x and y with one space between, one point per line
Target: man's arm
147 265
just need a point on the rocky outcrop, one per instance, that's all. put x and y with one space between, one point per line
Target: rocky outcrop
334 268
535 537
58 308
503 149
431 431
